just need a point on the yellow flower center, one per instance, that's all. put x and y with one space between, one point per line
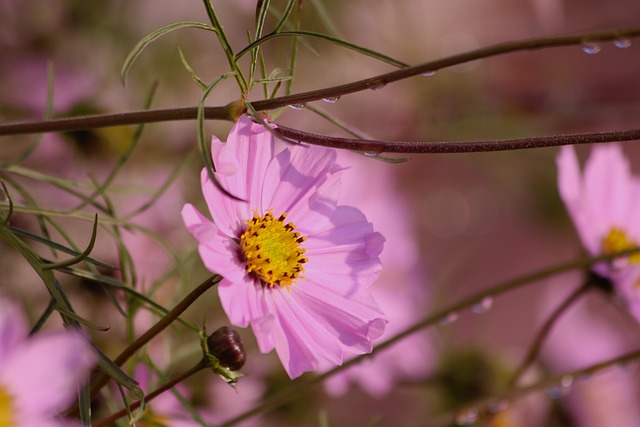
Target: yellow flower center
6 409
616 241
272 250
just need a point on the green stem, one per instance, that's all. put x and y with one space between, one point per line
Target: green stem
148 398
226 45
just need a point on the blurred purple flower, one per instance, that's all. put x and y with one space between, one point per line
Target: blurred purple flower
401 287
604 204
296 266
38 377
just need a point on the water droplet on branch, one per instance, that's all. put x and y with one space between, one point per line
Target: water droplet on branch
467 417
378 85
483 306
331 99
428 73
448 319
622 43
297 107
591 47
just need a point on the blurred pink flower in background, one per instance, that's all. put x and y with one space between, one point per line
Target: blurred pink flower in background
591 332
296 265
225 402
401 289
166 409
604 204
38 377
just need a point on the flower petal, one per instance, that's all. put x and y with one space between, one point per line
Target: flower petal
243 160
293 177
573 194
242 300
347 253
307 341
607 179
219 254
13 328
43 374
351 315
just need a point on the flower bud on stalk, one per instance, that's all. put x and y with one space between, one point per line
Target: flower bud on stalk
226 344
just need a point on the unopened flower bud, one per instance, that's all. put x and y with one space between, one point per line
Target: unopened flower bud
226 345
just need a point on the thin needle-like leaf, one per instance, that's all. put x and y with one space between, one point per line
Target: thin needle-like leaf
80 257
359 49
153 36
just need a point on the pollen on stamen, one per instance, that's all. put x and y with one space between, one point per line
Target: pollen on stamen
272 250
617 240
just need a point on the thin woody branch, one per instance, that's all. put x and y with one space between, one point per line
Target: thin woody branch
225 112
378 147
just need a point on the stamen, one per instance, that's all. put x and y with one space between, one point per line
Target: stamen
272 250
6 408
616 241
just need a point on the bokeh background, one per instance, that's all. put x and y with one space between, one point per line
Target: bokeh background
455 224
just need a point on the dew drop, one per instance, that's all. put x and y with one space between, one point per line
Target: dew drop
370 154
591 47
428 73
622 43
584 377
378 85
499 406
566 381
467 417
554 392
483 306
331 99
297 107
448 319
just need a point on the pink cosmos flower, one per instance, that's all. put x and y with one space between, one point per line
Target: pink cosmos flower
604 204
38 377
296 265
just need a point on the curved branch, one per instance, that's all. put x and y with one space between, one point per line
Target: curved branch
378 147
224 113
429 67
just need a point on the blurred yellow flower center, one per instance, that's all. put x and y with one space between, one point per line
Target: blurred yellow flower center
272 249
150 419
616 241
6 409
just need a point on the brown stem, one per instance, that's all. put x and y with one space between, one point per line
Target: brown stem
155 330
223 113
377 147
148 398
69 124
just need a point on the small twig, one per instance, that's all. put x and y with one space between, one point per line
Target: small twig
378 147
162 324
149 397
224 113
536 346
